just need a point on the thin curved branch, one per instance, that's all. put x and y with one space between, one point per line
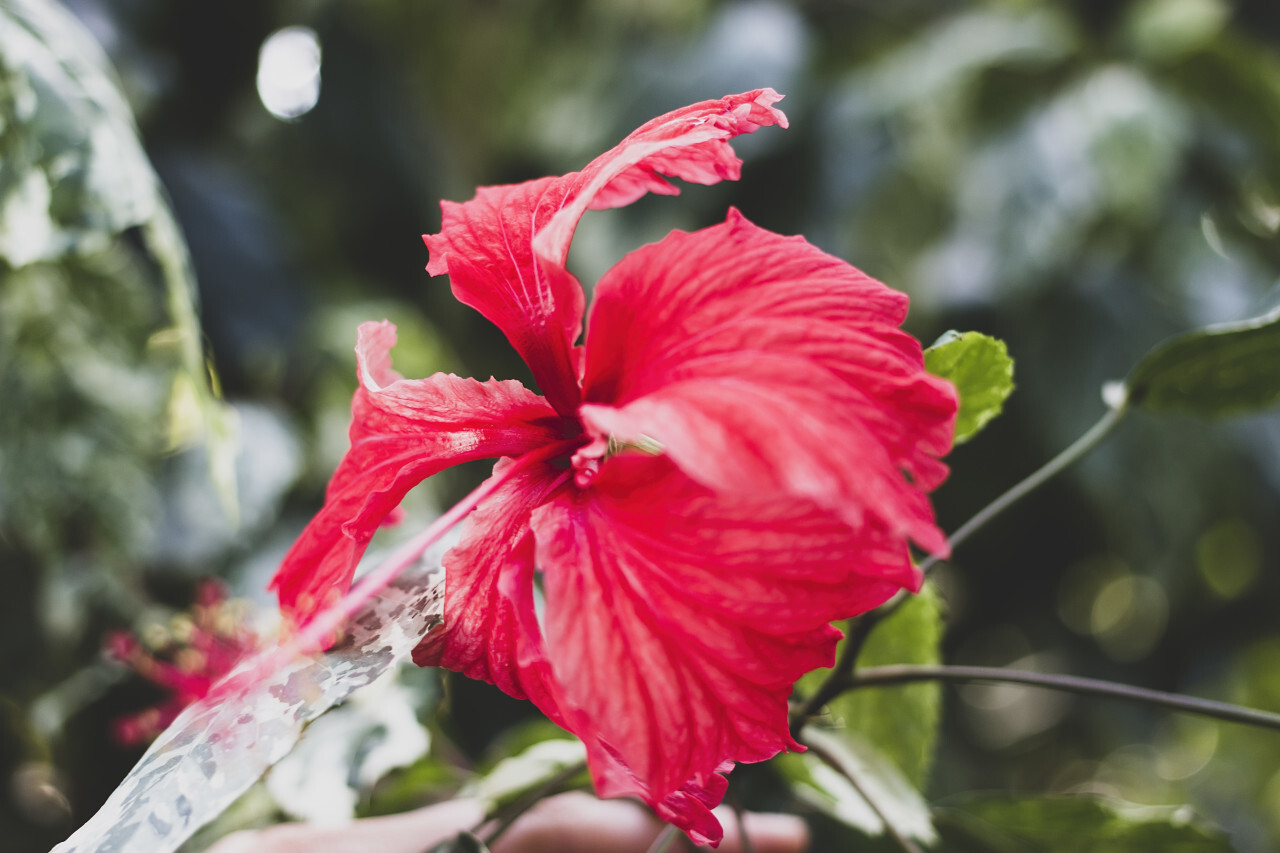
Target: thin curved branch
1046 472
884 676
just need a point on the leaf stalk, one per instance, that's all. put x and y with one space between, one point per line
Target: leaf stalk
1075 451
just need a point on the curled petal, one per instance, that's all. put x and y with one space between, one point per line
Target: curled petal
505 250
486 247
690 807
677 621
760 363
691 143
402 432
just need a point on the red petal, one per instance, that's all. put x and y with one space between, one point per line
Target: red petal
760 363
690 807
677 621
402 432
505 250
490 629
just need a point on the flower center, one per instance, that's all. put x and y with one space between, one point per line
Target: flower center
586 461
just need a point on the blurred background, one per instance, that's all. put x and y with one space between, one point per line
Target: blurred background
1080 178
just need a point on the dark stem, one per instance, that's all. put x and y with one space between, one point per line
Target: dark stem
883 676
836 681
517 808
664 839
744 840
834 761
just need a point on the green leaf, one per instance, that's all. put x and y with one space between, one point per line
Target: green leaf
982 371
1222 370
901 721
513 778
426 780
830 791
1068 824
520 738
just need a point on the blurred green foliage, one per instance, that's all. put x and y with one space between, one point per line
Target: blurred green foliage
1047 824
1081 179
101 348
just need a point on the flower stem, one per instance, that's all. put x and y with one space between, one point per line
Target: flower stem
744 840
664 840
1078 448
883 676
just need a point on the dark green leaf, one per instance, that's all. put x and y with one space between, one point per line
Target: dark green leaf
1216 371
982 371
1069 824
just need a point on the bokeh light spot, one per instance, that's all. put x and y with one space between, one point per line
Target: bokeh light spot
1185 747
1080 586
1129 617
1229 558
289 72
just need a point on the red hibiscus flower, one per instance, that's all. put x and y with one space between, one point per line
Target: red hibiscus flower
736 456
